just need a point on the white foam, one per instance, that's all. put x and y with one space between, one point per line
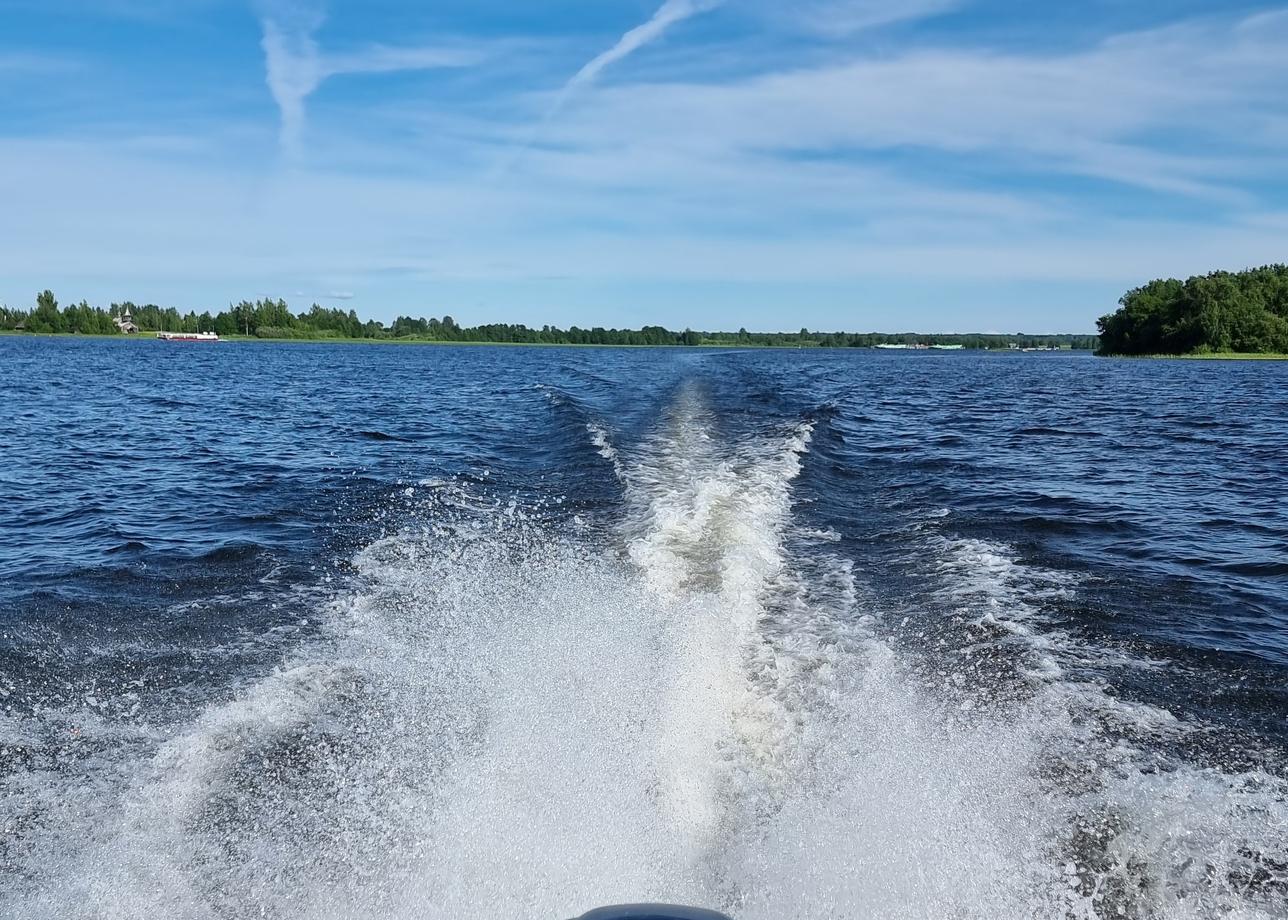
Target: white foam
503 721
1156 836
603 443
707 517
989 587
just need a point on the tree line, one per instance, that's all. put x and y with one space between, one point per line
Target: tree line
1219 312
273 319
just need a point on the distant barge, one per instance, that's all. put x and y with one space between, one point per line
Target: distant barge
920 347
188 336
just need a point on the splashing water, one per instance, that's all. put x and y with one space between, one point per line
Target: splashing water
505 718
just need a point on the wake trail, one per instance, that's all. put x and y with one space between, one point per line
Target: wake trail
506 718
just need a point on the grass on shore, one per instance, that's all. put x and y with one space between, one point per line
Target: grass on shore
405 340
408 340
344 340
1213 356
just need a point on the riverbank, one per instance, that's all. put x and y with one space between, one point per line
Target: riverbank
1214 356
411 340
336 340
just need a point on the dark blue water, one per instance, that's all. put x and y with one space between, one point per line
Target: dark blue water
327 631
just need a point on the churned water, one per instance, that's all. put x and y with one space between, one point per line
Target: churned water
355 631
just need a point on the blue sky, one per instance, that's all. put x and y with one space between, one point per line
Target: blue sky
939 165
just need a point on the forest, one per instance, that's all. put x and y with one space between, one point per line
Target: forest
1217 313
273 319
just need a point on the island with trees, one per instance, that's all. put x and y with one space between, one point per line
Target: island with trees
1222 313
273 319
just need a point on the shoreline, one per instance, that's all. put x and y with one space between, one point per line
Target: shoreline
151 337
1214 356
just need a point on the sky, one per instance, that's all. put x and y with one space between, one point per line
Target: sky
928 165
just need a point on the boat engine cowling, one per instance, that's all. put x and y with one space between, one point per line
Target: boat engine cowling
652 912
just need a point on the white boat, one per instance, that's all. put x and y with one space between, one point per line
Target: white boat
188 336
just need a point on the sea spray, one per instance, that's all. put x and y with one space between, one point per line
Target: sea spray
506 715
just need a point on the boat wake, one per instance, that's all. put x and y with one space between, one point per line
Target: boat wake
504 718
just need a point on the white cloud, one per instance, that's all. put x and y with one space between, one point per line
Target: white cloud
915 162
1099 112
136 223
295 67
30 63
841 18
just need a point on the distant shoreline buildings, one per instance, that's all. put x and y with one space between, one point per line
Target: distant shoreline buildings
273 319
125 322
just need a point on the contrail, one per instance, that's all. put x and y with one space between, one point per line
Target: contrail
667 15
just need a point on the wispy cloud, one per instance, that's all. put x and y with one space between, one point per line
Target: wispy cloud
1089 112
747 159
296 66
840 18
28 63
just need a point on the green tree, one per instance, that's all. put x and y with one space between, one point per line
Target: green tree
46 317
1221 311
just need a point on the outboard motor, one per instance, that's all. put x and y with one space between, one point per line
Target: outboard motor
652 912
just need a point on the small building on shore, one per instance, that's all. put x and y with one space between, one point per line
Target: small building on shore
125 322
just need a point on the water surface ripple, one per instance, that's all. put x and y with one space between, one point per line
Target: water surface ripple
337 631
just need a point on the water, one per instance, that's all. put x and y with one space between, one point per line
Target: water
320 632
